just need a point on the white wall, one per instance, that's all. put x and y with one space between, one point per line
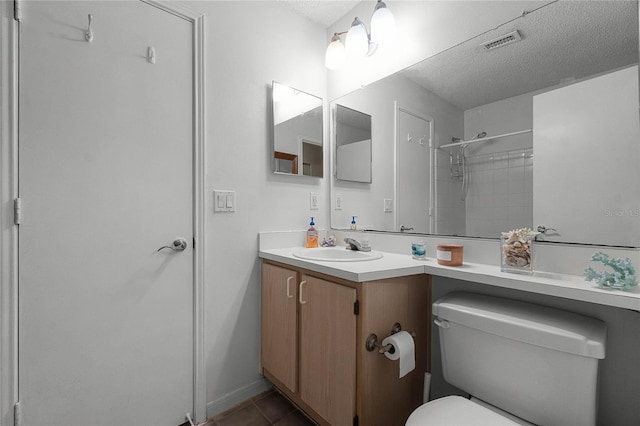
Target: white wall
249 44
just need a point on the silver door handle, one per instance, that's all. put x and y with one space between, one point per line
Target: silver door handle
179 244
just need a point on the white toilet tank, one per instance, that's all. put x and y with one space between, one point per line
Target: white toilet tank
538 363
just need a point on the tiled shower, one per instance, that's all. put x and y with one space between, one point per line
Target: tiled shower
500 192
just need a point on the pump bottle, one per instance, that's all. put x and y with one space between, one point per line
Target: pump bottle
312 235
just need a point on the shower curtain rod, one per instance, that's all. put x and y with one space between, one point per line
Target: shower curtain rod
488 138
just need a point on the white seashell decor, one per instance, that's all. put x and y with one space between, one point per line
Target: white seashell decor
516 250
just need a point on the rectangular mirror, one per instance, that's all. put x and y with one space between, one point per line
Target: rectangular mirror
495 165
297 132
353 145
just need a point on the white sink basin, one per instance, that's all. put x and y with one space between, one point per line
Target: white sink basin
335 254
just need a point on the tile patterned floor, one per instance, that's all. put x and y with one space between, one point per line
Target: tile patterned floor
267 409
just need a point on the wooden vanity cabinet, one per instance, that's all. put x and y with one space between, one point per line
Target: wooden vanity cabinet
309 329
313 334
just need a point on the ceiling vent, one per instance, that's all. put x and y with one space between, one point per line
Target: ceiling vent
501 41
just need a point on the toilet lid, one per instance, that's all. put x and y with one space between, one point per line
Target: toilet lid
455 410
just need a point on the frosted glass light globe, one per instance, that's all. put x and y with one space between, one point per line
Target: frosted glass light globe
357 42
383 25
336 55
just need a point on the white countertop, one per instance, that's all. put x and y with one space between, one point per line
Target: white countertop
391 265
395 265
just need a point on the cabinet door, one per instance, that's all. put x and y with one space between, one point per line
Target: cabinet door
279 344
328 349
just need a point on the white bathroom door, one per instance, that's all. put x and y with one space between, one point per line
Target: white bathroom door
105 174
413 174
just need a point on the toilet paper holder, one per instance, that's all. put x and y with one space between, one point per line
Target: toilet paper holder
372 340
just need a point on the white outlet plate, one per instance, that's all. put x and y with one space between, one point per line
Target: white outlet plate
338 202
313 201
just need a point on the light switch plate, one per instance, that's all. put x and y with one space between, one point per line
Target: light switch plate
388 205
313 201
224 201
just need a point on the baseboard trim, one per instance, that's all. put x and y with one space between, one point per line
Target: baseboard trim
234 398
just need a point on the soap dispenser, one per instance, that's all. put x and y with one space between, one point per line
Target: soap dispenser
353 223
312 235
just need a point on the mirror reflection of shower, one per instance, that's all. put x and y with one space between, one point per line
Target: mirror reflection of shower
455 160
459 165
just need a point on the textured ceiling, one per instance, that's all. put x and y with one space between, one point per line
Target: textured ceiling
323 12
560 42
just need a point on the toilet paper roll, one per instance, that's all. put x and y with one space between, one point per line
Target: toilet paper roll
404 350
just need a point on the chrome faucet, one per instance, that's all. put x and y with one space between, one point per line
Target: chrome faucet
405 228
543 229
356 245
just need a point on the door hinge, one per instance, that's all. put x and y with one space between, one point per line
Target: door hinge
17 414
356 422
356 307
17 211
17 10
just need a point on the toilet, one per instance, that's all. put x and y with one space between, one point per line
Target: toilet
521 364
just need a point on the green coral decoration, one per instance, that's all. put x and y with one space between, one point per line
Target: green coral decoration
623 276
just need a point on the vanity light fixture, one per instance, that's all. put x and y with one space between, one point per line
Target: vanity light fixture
359 42
336 54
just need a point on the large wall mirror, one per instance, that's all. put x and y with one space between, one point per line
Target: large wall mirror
297 132
534 122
